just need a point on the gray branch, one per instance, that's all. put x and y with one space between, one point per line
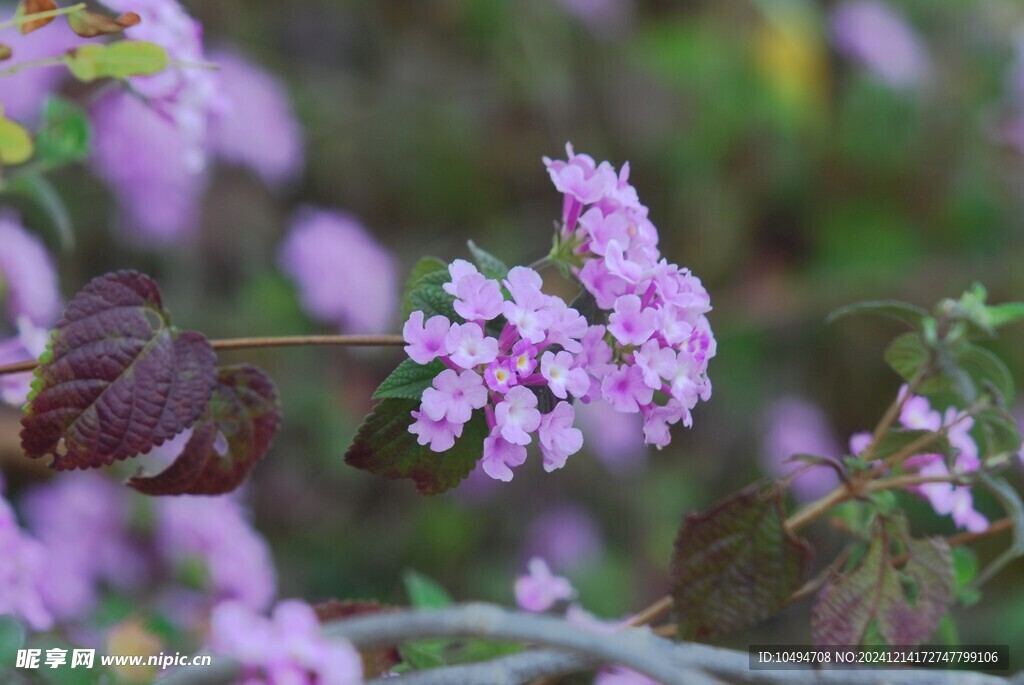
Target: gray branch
568 648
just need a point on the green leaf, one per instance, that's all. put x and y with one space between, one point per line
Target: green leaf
409 380
903 311
735 564
422 655
965 569
897 439
875 591
907 355
423 267
430 298
1001 434
15 142
425 592
65 135
384 446
489 265
12 637
119 60
42 198
986 370
1005 314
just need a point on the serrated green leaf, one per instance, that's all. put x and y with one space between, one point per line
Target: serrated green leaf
120 60
423 267
409 380
986 370
489 265
1001 434
907 355
425 592
65 134
384 446
903 311
735 564
430 298
1005 314
15 142
42 199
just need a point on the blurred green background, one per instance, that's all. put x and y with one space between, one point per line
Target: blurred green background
790 177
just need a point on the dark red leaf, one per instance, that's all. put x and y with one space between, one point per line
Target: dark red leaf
117 378
735 564
35 7
874 590
228 439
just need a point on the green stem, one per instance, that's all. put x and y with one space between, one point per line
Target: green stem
252 343
48 14
32 64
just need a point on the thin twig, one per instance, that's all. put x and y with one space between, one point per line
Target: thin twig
37 16
257 342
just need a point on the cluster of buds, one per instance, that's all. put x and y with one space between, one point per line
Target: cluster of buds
516 346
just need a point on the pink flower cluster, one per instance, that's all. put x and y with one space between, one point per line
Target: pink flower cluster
946 498
659 335
543 344
286 648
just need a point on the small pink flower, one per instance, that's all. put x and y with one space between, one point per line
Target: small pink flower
622 265
558 439
478 297
658 419
440 435
425 342
517 415
580 177
859 442
500 375
468 347
656 362
563 375
601 229
601 283
630 323
454 396
458 270
565 325
625 389
500 455
528 310
540 589
524 358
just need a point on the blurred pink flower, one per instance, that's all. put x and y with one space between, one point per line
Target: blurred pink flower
343 274
872 33
23 566
603 18
614 437
30 343
540 589
22 94
256 126
795 426
567 536
28 275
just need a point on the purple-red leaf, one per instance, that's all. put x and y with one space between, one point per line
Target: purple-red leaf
117 378
874 590
735 564
229 438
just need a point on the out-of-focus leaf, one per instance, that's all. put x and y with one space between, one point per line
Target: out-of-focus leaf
1001 432
903 311
116 379
423 267
907 355
735 564
422 655
409 380
227 441
65 134
12 637
425 592
116 60
91 24
44 198
896 440
489 265
1005 314
874 590
985 370
5 52
15 142
965 568
384 446
27 7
